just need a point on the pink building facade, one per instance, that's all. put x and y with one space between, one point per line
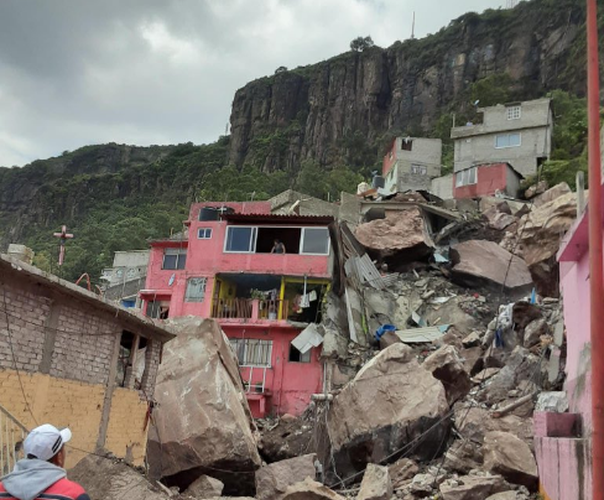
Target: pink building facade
223 268
563 440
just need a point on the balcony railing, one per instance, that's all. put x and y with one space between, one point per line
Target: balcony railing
250 309
12 435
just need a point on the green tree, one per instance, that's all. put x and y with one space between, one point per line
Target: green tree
359 44
311 179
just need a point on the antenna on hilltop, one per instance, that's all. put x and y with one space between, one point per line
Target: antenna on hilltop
413 26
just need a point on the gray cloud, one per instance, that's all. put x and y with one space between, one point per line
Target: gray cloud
76 72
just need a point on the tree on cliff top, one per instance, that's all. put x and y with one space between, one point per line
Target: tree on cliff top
359 44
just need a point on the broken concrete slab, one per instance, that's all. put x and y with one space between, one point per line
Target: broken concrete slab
490 201
481 261
310 490
202 421
446 365
392 401
273 480
113 480
511 457
205 487
450 313
472 487
376 484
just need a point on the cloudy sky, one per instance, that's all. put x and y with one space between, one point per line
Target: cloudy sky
77 72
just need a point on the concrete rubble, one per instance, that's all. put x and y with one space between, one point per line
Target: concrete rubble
445 415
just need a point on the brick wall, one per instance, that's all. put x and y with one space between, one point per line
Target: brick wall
63 370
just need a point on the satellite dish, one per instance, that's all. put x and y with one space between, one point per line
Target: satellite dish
171 280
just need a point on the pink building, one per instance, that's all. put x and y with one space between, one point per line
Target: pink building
563 440
224 269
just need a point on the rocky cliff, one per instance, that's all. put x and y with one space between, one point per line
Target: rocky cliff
317 111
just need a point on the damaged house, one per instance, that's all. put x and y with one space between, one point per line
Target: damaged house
73 359
225 268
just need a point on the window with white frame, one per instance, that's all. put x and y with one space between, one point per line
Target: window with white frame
419 169
511 140
174 258
253 352
514 112
465 177
196 289
240 239
315 240
204 233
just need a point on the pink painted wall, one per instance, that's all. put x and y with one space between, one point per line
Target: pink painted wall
290 383
565 462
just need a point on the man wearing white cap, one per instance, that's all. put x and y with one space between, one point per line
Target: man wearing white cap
40 475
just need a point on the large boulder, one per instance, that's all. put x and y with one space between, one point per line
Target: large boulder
546 196
205 487
273 480
392 402
481 261
472 487
113 480
538 240
376 484
447 366
511 457
202 423
310 490
401 471
399 237
287 439
473 423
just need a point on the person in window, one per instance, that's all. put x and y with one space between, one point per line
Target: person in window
278 247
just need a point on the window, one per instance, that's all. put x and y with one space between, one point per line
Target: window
204 233
158 309
406 145
511 140
465 177
174 258
419 169
296 356
315 240
196 290
514 112
253 352
240 239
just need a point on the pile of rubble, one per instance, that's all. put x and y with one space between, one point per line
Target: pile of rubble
441 335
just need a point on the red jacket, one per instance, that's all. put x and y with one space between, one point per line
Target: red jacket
63 489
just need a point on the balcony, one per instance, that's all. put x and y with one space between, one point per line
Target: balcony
259 298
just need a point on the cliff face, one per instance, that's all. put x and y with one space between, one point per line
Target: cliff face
309 112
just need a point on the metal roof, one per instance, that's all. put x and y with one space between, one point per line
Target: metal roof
280 218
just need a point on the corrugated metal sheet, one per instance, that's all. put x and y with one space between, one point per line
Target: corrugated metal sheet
422 335
363 269
308 338
279 218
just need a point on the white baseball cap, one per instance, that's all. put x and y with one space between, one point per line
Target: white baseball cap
44 442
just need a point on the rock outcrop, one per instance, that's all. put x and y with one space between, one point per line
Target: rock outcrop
392 402
203 423
336 109
447 366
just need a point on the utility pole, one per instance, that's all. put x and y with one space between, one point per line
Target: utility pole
596 283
